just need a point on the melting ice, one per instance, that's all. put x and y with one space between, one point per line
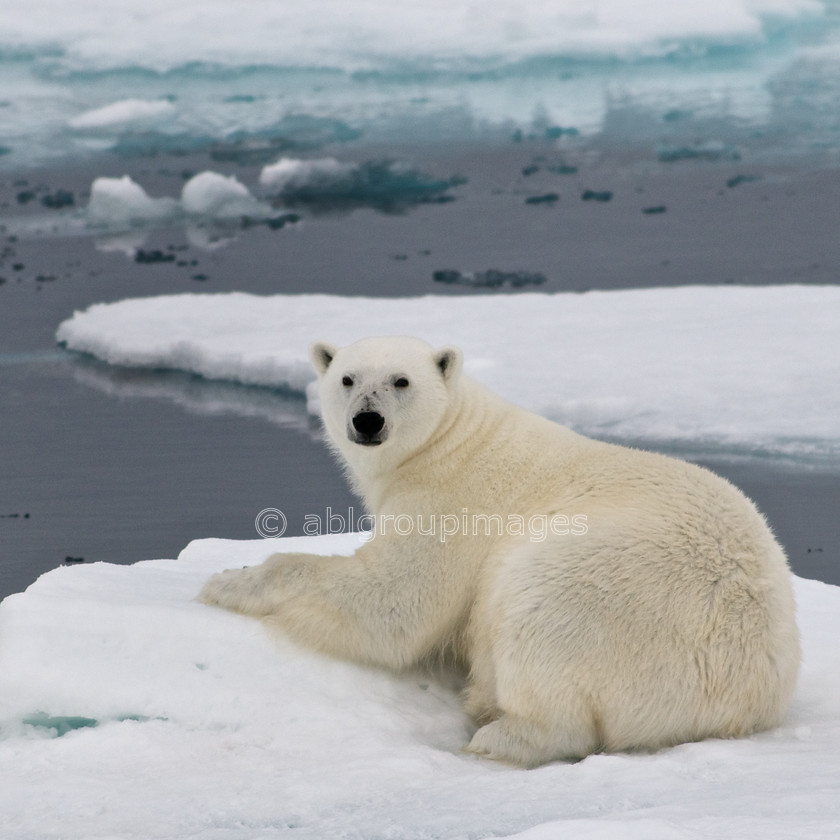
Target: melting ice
153 75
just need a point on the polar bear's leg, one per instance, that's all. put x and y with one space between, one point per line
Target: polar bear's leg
528 743
536 667
369 607
479 697
479 701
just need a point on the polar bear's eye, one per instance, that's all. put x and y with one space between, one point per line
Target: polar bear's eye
347 381
401 382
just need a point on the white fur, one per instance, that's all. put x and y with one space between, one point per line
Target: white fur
670 619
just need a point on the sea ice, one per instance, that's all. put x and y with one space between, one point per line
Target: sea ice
129 710
115 201
128 111
422 69
291 175
750 368
326 179
220 196
117 204
377 34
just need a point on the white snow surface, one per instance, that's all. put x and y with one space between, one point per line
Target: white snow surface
208 729
753 368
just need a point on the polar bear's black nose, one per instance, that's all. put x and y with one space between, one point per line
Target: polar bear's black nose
368 423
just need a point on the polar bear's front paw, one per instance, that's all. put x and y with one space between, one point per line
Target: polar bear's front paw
240 590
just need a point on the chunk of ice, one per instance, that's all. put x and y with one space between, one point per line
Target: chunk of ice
121 200
220 196
371 182
290 175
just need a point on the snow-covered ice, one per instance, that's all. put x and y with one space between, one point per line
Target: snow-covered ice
183 721
195 72
124 112
294 174
328 178
751 368
117 201
128 710
219 196
117 204
371 34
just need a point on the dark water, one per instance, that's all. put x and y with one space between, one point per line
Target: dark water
103 464
99 469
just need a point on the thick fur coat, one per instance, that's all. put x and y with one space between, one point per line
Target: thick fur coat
598 597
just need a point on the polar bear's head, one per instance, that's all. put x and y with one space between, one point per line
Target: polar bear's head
384 394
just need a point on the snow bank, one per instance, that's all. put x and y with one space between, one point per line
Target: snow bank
181 721
125 112
746 367
121 200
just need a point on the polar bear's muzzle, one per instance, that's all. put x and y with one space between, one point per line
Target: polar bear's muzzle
367 428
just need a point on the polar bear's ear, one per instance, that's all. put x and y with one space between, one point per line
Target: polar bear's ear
449 361
322 353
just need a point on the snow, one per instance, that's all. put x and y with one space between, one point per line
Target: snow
128 710
183 721
127 111
749 368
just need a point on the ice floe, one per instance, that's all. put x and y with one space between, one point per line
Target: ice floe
220 196
753 368
129 710
125 112
116 201
373 181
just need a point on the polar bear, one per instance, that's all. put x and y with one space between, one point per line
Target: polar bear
597 597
